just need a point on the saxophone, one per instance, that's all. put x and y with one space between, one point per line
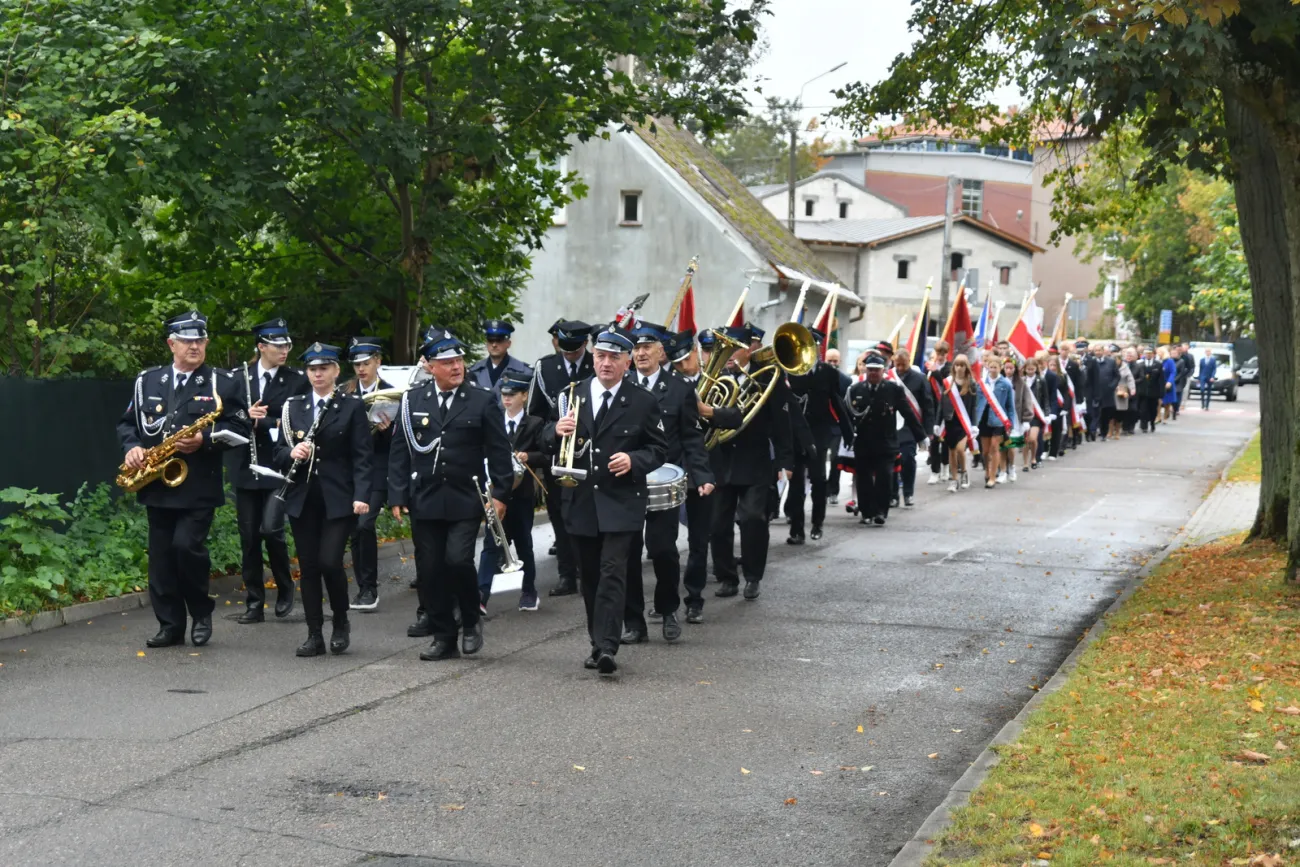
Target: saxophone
161 462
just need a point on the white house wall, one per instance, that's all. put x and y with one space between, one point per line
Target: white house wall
591 266
827 193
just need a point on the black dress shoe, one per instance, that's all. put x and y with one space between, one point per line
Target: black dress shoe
816 533
795 539
440 650
633 636
472 641
751 590
201 631
879 520
165 639
284 598
413 583
254 614
694 613
590 662
566 587
314 645
421 628
727 588
605 663
672 629
340 636
551 550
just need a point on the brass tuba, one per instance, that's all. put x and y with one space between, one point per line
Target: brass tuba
792 351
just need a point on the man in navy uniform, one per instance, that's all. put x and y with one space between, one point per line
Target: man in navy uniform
266 383
570 363
447 429
620 434
166 400
678 408
366 355
487 372
681 352
822 403
876 404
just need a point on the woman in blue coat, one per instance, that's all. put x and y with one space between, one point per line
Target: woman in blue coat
992 430
1169 400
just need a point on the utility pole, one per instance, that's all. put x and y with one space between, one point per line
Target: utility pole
794 142
945 267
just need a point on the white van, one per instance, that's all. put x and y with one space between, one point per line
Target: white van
1225 375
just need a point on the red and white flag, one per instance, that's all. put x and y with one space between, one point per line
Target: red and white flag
1026 336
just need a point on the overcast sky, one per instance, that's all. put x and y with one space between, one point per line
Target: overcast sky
807 37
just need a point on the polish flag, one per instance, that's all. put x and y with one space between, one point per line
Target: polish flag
1026 336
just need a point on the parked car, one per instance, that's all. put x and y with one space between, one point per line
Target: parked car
1249 372
1225 376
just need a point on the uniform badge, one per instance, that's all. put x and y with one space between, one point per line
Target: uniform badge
425 421
198 380
158 408
164 378
300 434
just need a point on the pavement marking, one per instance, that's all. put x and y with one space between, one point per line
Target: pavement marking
1077 518
950 555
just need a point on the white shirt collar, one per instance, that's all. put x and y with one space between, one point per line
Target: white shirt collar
364 389
653 377
177 374
262 371
517 419
598 390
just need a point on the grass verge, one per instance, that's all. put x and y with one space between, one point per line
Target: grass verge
1173 740
1249 466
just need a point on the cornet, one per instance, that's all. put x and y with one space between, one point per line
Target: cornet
566 475
509 562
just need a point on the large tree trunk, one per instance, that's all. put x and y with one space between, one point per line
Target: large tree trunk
1261 212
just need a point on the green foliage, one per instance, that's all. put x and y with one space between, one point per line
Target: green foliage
1222 296
758 149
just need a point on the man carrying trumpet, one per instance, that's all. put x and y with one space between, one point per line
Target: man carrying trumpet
446 429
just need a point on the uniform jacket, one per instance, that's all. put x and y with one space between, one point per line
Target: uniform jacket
341 460
1056 393
915 382
603 502
1091 384
1077 379
474 431
552 378
528 438
285 384
683 433
875 413
480 373
1150 378
820 393
380 440
1107 380
159 404
754 455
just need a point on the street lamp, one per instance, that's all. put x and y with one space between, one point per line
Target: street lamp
794 131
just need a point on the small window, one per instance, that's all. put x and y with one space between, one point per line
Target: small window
1004 275
972 198
844 210
631 209
903 268
956 262
808 205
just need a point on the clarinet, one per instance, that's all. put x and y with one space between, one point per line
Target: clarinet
273 516
252 437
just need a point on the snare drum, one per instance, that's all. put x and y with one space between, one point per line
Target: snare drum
666 487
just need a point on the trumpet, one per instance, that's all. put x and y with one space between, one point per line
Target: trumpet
792 351
509 562
566 475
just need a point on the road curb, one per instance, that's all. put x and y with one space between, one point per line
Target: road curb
17 627
917 849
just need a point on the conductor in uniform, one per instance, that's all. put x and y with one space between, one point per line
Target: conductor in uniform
448 431
167 399
488 372
266 385
619 435
679 411
875 404
822 401
570 363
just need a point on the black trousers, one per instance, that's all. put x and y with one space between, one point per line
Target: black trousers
1148 408
699 523
833 478
320 542
660 540
907 467
814 467
179 565
1129 417
746 504
1055 447
874 474
565 556
365 545
602 571
445 574
250 506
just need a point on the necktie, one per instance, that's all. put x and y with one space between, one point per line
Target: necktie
645 382
266 381
180 380
315 412
445 397
604 405
511 430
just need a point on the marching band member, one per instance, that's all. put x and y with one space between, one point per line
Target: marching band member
327 437
744 468
620 429
706 346
681 351
488 372
446 430
822 403
685 448
168 399
923 401
833 480
876 403
570 363
525 434
266 385
940 370
366 355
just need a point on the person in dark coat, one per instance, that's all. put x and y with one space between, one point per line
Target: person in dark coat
940 370
820 401
923 402
1092 404
619 433
1102 388
487 372
833 479
1150 378
366 355
685 359
876 404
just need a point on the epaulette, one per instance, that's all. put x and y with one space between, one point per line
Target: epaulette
226 373
477 386
150 369
296 397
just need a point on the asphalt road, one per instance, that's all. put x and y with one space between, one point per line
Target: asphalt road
818 725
